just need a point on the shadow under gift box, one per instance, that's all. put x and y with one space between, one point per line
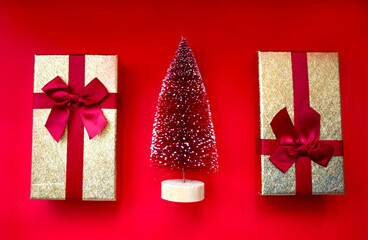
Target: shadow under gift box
96 177
277 92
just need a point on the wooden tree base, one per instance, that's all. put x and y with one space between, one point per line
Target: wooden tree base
176 190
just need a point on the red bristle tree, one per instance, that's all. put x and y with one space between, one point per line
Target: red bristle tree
183 135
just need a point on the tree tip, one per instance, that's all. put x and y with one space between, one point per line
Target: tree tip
183 40
183 43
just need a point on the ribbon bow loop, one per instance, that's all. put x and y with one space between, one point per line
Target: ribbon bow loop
301 140
87 103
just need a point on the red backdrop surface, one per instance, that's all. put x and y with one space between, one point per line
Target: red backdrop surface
224 36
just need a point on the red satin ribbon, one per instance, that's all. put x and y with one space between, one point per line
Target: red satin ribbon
303 141
87 103
79 106
303 166
299 144
268 146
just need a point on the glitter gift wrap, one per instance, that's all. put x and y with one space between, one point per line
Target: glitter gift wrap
279 73
75 166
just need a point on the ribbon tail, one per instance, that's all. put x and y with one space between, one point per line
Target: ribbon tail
93 119
284 157
57 120
321 154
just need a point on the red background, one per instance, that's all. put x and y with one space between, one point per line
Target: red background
224 36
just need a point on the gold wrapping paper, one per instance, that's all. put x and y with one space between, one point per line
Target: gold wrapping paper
48 176
276 92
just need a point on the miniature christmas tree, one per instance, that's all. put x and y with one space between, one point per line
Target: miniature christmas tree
183 135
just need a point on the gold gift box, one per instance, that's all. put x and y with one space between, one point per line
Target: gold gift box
49 158
276 92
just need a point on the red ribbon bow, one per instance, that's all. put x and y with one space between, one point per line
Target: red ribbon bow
87 103
301 140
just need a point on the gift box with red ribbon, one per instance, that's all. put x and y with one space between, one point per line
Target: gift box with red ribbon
300 121
74 127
